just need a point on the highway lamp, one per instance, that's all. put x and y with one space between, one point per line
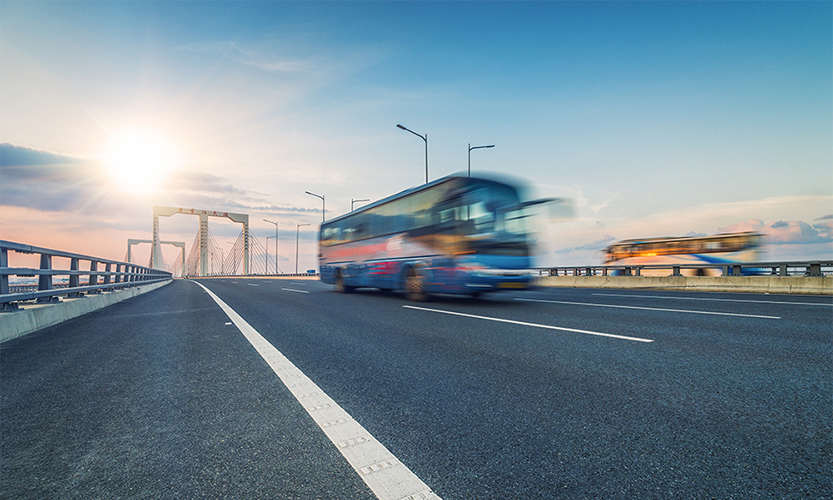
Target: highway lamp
424 138
323 205
476 147
296 245
277 245
352 202
266 257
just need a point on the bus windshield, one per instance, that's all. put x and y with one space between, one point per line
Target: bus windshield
489 219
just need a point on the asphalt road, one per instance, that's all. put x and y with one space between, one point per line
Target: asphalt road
554 393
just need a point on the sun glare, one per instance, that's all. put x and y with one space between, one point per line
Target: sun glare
138 161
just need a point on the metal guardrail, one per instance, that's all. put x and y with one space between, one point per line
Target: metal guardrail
114 276
806 268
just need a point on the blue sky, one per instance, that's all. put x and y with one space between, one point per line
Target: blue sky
657 119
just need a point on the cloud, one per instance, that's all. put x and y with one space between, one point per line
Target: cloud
786 232
52 182
593 245
48 181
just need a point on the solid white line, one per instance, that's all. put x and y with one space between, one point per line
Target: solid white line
649 308
291 290
714 300
387 477
536 325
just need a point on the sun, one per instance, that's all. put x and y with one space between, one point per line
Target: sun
139 160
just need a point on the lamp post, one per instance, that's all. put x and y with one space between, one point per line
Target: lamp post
296 245
476 147
323 205
266 257
424 138
352 202
277 245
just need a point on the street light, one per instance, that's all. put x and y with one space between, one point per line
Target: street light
476 147
266 257
323 206
424 138
296 245
277 245
352 201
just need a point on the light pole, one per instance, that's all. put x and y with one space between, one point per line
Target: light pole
323 205
352 202
296 245
476 147
424 138
266 257
277 245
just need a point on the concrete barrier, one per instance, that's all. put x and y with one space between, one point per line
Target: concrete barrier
33 317
822 285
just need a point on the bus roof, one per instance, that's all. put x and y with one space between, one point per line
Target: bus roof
466 179
638 241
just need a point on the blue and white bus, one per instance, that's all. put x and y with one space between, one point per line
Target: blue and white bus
460 235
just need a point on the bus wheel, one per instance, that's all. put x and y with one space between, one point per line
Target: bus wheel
340 286
415 288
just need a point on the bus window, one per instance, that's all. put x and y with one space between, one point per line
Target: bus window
330 235
361 227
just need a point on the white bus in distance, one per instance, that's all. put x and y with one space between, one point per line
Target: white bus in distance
718 249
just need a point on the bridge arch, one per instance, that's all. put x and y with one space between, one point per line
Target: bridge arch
159 211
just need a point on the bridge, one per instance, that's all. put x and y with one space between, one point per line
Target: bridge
279 387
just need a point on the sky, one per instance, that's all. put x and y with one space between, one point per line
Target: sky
654 118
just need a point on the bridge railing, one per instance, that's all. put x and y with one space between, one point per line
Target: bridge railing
816 268
114 275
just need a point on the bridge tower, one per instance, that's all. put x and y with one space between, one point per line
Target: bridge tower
158 211
179 244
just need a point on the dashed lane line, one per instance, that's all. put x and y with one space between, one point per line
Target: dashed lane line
384 474
293 290
660 309
536 325
709 299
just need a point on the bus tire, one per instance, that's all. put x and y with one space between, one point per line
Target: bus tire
415 287
340 286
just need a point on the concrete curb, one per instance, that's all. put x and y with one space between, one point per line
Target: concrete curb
33 317
749 284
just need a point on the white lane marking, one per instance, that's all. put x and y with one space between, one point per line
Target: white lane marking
291 290
713 300
536 325
387 477
649 308
252 284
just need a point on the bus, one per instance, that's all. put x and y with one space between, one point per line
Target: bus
725 248
458 235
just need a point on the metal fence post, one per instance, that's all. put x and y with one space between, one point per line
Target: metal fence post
107 276
93 277
4 278
74 278
45 280
814 269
